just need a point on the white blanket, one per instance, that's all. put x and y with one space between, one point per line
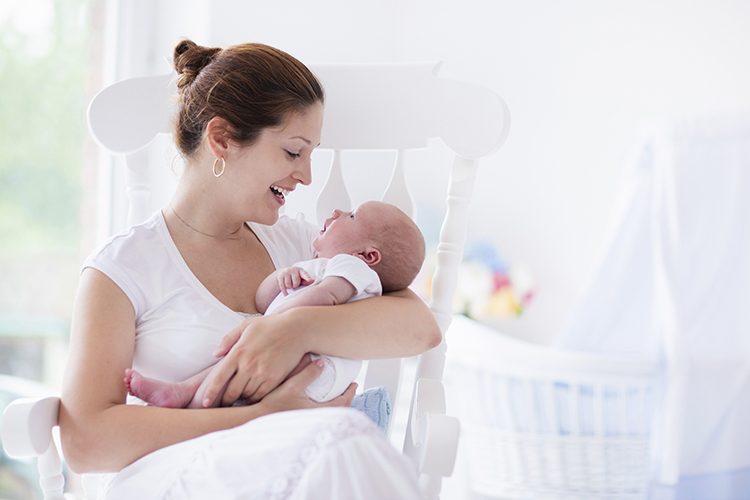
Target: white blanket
326 454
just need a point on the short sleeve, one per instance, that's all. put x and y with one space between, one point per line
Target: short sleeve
356 272
128 259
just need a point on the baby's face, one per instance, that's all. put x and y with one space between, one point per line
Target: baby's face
348 232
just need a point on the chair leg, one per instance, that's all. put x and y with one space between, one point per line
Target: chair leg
50 471
430 485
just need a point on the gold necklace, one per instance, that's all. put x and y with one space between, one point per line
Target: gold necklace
240 237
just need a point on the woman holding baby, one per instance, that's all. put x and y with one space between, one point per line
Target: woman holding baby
172 295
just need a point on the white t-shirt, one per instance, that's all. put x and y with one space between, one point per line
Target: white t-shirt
179 323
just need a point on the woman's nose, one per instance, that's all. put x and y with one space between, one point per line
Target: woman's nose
304 173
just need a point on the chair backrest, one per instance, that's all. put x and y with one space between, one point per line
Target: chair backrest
373 107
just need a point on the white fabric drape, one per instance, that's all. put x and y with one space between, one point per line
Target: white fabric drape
674 279
326 453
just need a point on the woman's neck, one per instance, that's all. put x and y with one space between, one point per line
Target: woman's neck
202 213
234 235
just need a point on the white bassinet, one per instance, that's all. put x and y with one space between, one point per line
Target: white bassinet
545 423
673 283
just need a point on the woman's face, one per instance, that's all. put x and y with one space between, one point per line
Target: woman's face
264 173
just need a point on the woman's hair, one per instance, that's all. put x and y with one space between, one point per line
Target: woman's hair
252 86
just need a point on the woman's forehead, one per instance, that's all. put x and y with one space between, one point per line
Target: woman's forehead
305 124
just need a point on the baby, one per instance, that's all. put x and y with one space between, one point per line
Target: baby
373 249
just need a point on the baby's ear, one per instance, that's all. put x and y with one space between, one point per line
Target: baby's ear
370 255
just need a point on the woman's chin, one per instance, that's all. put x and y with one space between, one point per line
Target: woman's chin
268 219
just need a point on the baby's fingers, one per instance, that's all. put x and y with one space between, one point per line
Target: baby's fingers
291 281
285 283
305 278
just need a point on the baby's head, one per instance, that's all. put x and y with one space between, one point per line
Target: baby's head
381 235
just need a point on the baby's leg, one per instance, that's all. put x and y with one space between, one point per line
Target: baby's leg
163 394
199 393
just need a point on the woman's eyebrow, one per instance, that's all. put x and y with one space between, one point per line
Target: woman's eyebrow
309 143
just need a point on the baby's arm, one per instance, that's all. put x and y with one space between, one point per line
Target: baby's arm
279 281
331 291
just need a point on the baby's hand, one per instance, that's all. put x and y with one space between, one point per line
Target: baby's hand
292 277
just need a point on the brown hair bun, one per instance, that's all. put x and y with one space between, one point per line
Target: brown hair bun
189 59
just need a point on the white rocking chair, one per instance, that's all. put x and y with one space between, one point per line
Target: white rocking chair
392 107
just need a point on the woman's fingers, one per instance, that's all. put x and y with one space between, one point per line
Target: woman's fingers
271 383
242 386
346 398
255 392
309 373
258 357
220 375
229 340
306 360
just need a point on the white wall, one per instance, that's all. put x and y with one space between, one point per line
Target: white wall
577 75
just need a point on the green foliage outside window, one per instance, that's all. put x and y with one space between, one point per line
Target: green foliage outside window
43 65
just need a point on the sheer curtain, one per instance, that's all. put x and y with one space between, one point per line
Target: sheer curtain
674 280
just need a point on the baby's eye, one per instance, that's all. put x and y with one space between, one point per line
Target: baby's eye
351 215
293 155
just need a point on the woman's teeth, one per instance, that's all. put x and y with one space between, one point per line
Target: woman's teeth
279 192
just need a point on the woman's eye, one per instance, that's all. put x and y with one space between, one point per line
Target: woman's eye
351 215
293 155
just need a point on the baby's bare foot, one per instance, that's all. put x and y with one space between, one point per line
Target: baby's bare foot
158 393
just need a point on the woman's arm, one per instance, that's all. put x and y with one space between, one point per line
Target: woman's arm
99 432
260 353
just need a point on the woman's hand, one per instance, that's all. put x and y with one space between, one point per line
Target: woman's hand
291 394
258 355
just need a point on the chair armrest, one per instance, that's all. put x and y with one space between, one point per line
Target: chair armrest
26 427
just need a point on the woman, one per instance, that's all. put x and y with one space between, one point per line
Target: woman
161 295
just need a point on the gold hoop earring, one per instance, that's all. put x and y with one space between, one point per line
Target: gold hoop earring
223 166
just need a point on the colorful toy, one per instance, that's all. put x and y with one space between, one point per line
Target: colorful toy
487 284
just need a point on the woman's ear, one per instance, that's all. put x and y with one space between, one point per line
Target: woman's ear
370 255
218 134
